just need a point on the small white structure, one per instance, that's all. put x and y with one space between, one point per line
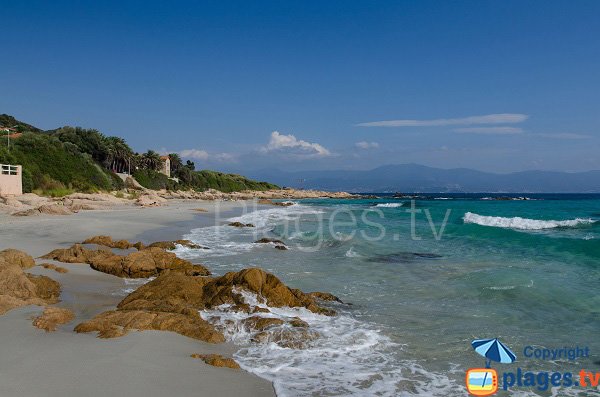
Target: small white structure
11 180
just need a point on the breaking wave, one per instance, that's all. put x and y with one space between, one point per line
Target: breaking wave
522 223
389 205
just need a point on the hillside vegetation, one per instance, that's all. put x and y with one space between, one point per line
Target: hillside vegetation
67 159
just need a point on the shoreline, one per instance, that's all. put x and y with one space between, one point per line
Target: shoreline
148 363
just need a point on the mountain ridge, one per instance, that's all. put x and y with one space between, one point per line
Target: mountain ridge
419 178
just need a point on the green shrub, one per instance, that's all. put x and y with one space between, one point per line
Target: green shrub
151 179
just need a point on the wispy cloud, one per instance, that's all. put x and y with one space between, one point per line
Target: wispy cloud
566 135
293 145
366 145
500 118
490 130
198 154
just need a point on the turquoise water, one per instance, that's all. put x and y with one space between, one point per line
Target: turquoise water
525 271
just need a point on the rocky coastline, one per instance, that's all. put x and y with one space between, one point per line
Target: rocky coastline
31 204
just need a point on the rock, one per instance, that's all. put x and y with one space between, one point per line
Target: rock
206 293
52 266
294 338
20 258
172 301
240 224
265 285
77 254
50 209
107 241
146 263
117 323
200 210
281 247
18 288
52 317
217 360
278 203
325 296
266 240
149 199
298 323
262 323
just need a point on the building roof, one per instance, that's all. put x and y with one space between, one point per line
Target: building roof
164 157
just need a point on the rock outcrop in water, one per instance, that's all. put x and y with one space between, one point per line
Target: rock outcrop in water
18 288
171 303
146 263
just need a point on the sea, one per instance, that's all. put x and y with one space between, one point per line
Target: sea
421 276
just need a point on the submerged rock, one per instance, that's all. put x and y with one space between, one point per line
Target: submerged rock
266 240
217 360
325 296
240 224
171 245
52 317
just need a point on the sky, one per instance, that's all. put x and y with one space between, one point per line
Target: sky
497 86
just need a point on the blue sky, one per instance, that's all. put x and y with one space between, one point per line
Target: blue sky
492 85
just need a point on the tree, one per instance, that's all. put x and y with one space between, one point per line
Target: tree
176 163
120 154
151 160
190 165
89 141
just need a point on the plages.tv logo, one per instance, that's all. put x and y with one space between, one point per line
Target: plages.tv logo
484 381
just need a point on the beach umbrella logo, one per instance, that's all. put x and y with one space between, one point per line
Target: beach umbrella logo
484 381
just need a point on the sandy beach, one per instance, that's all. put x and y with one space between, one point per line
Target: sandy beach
149 363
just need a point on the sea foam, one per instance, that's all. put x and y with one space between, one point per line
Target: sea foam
522 223
347 357
389 205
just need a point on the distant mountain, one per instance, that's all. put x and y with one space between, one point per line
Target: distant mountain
419 178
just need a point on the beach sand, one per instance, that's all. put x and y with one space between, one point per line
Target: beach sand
149 363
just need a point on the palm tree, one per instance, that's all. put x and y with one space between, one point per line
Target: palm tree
176 162
119 154
151 160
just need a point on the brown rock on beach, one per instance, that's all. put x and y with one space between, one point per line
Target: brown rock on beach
217 360
18 288
117 323
17 257
146 263
52 317
52 266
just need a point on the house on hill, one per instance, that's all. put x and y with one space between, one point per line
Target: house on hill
165 166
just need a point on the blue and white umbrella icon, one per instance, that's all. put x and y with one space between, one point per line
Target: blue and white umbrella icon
493 350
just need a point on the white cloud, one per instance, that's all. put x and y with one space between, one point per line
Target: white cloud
198 154
566 135
366 145
490 130
291 143
500 118
194 154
